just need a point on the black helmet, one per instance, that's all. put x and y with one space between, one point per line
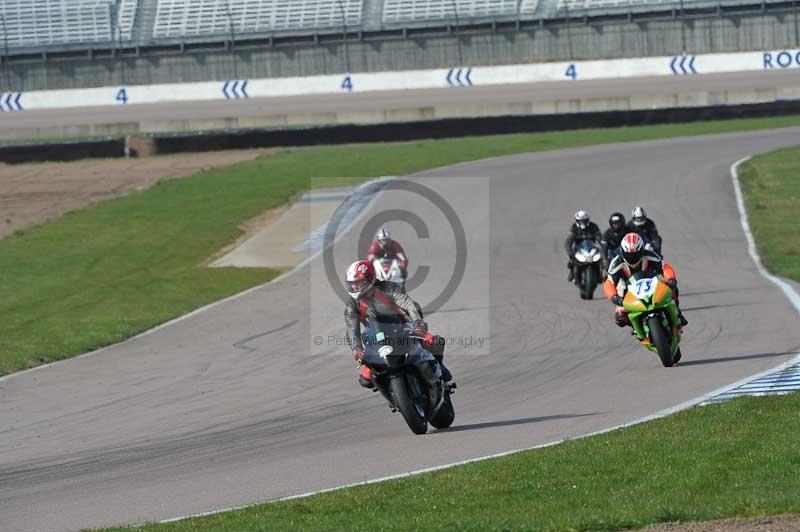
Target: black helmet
616 222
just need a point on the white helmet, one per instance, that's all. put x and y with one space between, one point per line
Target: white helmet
639 216
582 219
384 237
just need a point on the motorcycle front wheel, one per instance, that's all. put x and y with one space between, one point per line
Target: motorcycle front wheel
408 405
446 414
589 283
658 335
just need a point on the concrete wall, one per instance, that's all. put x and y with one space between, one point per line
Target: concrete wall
575 41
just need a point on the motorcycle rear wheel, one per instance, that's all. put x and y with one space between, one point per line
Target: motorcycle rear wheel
658 335
407 406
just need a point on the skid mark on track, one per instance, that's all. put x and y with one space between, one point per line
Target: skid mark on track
241 343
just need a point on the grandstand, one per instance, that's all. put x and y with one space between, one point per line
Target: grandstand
48 24
188 18
395 11
89 43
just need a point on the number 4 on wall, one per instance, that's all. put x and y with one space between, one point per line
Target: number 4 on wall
122 96
571 71
347 84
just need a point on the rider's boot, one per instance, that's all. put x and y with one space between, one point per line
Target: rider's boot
684 321
365 378
435 345
570 272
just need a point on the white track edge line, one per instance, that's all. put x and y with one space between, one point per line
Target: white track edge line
658 415
791 294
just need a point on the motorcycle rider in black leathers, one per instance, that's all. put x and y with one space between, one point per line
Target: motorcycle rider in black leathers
582 229
644 226
612 238
383 302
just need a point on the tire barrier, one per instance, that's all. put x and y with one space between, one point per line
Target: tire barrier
63 151
462 127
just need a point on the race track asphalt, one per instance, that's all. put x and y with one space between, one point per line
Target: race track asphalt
229 406
764 81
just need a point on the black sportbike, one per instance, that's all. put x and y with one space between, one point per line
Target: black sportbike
407 375
588 267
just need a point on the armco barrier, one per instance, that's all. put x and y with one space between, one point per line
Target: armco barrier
392 132
461 127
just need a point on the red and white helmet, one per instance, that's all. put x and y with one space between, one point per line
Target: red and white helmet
632 248
360 277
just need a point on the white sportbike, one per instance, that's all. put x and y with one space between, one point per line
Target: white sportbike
388 270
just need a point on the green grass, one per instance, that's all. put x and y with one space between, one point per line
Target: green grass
739 458
106 272
771 189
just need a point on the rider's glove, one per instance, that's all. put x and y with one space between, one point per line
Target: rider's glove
672 283
420 328
617 300
358 355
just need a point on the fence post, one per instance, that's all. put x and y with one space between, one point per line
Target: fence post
568 16
232 29
344 38
683 31
6 77
116 37
458 33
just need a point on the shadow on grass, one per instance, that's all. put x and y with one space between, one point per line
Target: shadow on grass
513 422
738 358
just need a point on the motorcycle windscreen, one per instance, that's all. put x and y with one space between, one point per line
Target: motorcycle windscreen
587 251
385 343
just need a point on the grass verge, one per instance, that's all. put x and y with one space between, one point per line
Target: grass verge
738 458
104 273
771 188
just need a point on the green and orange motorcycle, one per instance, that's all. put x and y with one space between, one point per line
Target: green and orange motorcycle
654 316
